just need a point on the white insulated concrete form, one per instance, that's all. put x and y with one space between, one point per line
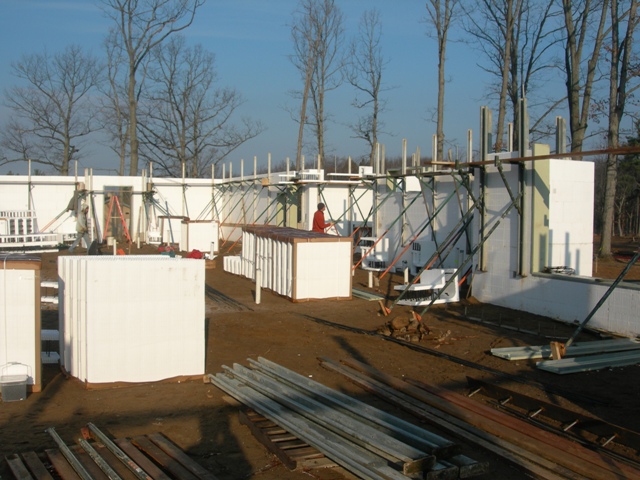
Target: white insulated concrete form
131 318
298 264
20 320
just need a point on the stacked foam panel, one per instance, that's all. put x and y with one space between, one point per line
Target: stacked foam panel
232 264
20 317
298 264
131 318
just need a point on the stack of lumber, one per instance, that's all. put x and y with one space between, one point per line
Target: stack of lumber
367 441
538 452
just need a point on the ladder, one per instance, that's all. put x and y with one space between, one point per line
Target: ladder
114 200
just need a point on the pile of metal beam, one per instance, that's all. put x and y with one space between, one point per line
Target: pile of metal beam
367 441
538 452
578 357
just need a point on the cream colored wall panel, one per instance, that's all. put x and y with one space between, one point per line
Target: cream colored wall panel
20 317
294 263
132 318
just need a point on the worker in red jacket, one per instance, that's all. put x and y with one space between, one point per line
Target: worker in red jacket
318 220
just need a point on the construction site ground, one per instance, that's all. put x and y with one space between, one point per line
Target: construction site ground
196 416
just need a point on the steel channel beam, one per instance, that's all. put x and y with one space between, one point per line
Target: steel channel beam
409 458
394 426
95 456
117 451
348 455
68 454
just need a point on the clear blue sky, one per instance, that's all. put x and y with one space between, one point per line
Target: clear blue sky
251 41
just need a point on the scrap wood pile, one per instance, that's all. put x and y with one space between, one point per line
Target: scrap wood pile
411 329
541 453
96 456
364 440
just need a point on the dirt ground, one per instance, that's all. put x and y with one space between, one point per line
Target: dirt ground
195 416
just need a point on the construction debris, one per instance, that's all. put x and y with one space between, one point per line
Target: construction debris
403 328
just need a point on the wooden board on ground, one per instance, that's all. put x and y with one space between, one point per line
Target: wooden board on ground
290 450
160 459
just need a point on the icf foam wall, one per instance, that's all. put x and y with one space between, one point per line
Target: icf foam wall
441 197
20 317
298 264
571 196
131 318
202 235
558 206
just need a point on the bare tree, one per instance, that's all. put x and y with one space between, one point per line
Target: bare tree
441 14
141 25
365 68
620 74
52 111
115 107
515 37
531 47
185 121
579 23
317 33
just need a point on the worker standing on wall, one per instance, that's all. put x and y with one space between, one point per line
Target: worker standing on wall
82 229
318 220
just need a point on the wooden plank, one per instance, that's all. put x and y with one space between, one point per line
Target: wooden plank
114 462
295 454
553 448
281 437
35 465
141 459
553 442
178 454
61 465
288 445
443 471
166 461
586 424
304 452
265 440
88 463
18 468
469 467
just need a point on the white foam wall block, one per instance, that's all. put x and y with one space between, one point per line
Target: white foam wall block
249 255
323 270
199 235
171 230
132 318
232 264
17 322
